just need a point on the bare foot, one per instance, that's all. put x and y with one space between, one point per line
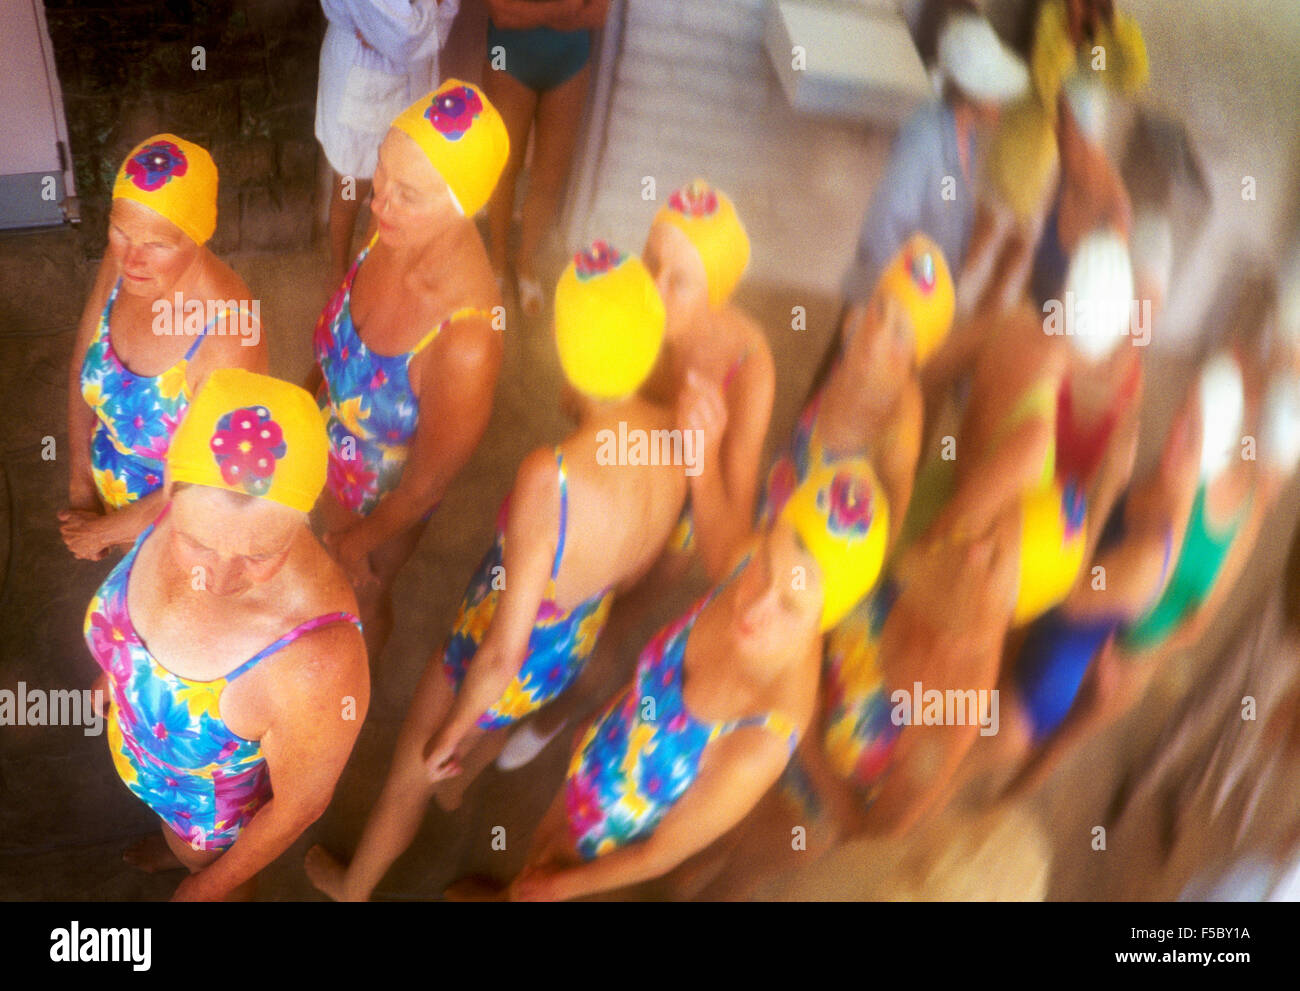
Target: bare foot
152 855
326 872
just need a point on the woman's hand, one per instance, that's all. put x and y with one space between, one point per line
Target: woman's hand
88 535
349 548
701 406
440 757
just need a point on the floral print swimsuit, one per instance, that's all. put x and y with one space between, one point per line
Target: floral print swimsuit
165 733
642 754
561 640
135 415
366 401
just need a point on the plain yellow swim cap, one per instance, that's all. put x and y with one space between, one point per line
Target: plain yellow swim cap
175 178
254 434
609 322
463 137
918 277
1053 536
708 217
841 514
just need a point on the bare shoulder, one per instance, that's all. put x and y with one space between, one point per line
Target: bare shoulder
536 485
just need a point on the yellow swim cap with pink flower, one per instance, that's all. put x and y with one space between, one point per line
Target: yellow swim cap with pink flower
175 178
841 515
707 216
918 277
464 138
252 434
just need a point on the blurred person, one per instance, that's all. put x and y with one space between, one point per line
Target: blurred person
536 73
377 56
716 370
408 351
929 182
135 369
224 724
659 775
575 529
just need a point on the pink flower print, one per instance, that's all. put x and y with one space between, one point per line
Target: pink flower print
247 444
453 111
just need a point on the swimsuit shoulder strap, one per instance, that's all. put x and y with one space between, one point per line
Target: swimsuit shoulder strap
776 723
101 328
189 355
301 630
564 512
462 313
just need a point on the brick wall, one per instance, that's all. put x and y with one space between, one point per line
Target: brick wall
126 72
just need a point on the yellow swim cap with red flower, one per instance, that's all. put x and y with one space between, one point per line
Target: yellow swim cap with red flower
841 515
706 216
253 434
609 322
175 178
464 138
918 277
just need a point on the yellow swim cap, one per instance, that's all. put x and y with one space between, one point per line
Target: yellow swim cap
609 322
464 138
1053 535
918 277
707 216
841 515
254 434
174 178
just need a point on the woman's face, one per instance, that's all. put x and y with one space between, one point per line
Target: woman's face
152 253
679 274
231 544
777 600
410 200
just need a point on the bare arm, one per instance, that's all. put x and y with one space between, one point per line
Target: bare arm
530 546
306 747
82 494
591 16
723 499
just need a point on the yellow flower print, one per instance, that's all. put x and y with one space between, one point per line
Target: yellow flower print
202 697
172 381
125 770
112 489
517 701
636 742
350 414
93 394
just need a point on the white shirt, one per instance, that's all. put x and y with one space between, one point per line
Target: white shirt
361 89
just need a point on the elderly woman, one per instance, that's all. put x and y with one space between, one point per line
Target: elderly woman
143 349
674 762
408 350
229 644
578 526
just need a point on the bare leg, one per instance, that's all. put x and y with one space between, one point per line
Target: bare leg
480 749
397 815
196 860
516 104
345 206
559 111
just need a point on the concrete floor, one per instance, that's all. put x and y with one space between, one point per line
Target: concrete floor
65 816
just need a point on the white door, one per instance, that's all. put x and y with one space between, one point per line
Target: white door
36 183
